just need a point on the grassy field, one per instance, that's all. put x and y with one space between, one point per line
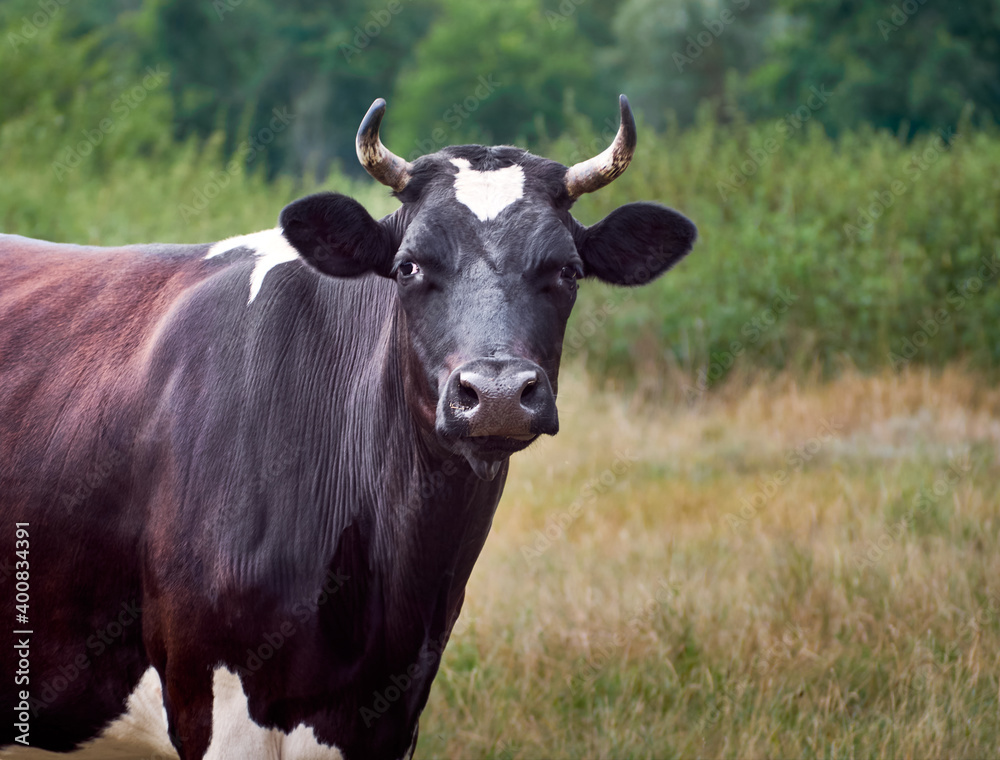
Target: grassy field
790 570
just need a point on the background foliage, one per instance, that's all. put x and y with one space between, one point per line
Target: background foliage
840 156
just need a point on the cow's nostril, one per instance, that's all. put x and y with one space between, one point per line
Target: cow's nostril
467 395
528 391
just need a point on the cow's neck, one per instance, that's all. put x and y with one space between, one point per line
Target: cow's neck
437 513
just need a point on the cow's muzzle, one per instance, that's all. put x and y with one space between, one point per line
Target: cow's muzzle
497 406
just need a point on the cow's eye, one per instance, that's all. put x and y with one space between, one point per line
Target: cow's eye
571 272
407 269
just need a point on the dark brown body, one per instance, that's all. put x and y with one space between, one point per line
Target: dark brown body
214 466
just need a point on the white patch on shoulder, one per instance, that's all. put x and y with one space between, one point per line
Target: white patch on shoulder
234 734
487 193
140 732
269 246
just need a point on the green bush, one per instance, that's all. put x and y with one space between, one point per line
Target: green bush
875 251
789 272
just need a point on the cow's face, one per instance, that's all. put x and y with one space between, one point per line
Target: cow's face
487 261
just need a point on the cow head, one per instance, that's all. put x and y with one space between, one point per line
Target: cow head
487 261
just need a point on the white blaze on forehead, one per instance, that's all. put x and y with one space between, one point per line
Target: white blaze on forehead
269 246
487 193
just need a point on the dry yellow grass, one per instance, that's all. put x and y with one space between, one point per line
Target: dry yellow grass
780 570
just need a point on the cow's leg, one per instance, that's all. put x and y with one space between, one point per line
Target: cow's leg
187 692
413 743
172 635
187 697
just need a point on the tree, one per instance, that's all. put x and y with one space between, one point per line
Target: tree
494 72
235 62
910 64
673 55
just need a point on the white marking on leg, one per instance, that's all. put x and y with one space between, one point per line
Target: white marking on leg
269 246
234 733
140 732
487 193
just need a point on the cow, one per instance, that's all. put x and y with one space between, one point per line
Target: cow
247 481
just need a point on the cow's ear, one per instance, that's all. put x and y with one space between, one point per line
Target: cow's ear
337 235
635 243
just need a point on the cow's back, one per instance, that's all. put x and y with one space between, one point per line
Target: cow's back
76 324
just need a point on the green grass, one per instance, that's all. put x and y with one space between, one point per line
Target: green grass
653 627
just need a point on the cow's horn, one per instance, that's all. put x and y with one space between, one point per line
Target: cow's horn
379 161
595 173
